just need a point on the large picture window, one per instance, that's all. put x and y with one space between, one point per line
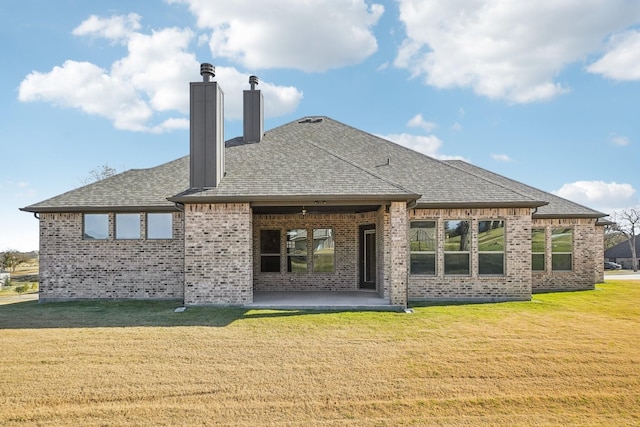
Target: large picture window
491 247
127 226
297 250
270 251
323 251
422 247
457 246
159 226
562 249
95 226
538 245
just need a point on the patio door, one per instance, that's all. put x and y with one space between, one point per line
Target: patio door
368 257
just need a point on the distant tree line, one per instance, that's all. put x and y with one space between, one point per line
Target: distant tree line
11 259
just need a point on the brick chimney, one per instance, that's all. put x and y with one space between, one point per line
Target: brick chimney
206 130
253 116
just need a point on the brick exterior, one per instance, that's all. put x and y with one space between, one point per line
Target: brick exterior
345 230
515 284
588 256
214 257
218 255
74 268
398 245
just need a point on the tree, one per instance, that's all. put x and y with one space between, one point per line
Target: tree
11 259
627 222
98 174
612 237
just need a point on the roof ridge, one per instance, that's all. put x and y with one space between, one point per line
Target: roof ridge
449 163
363 169
442 162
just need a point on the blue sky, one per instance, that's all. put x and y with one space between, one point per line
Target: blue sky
545 93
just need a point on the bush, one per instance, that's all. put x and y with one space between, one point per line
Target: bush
22 288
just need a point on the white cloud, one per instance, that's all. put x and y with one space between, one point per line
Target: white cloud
501 158
116 28
418 121
622 61
505 49
309 36
604 196
91 89
457 127
428 145
152 79
620 140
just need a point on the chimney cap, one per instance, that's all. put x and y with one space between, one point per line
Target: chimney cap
207 71
253 81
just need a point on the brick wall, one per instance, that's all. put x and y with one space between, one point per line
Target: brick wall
398 253
74 268
588 256
515 284
345 230
218 254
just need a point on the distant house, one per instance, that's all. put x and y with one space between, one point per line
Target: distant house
4 276
621 253
311 205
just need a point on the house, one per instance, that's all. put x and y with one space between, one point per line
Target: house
5 277
621 253
312 205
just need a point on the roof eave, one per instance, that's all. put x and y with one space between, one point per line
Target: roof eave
295 200
595 215
99 209
480 204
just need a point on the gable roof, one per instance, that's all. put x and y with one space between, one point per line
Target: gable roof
315 159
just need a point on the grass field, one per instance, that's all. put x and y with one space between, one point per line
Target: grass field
562 359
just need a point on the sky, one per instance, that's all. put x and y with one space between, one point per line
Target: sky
546 93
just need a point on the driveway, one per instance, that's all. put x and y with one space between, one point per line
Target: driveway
13 299
622 275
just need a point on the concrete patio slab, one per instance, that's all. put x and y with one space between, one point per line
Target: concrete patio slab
319 300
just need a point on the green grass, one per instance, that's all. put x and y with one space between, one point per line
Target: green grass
561 359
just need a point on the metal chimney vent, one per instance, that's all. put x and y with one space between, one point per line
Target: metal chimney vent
208 72
253 81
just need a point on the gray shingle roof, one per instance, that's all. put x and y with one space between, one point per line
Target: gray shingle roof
557 207
622 250
314 159
135 189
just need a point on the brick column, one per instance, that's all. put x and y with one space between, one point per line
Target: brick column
398 253
218 254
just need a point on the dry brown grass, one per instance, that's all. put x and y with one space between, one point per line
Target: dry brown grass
563 359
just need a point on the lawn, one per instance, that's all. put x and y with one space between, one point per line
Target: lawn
562 359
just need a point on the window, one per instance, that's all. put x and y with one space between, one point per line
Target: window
297 250
561 249
159 226
270 251
538 244
457 244
491 247
422 247
323 251
96 226
127 226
